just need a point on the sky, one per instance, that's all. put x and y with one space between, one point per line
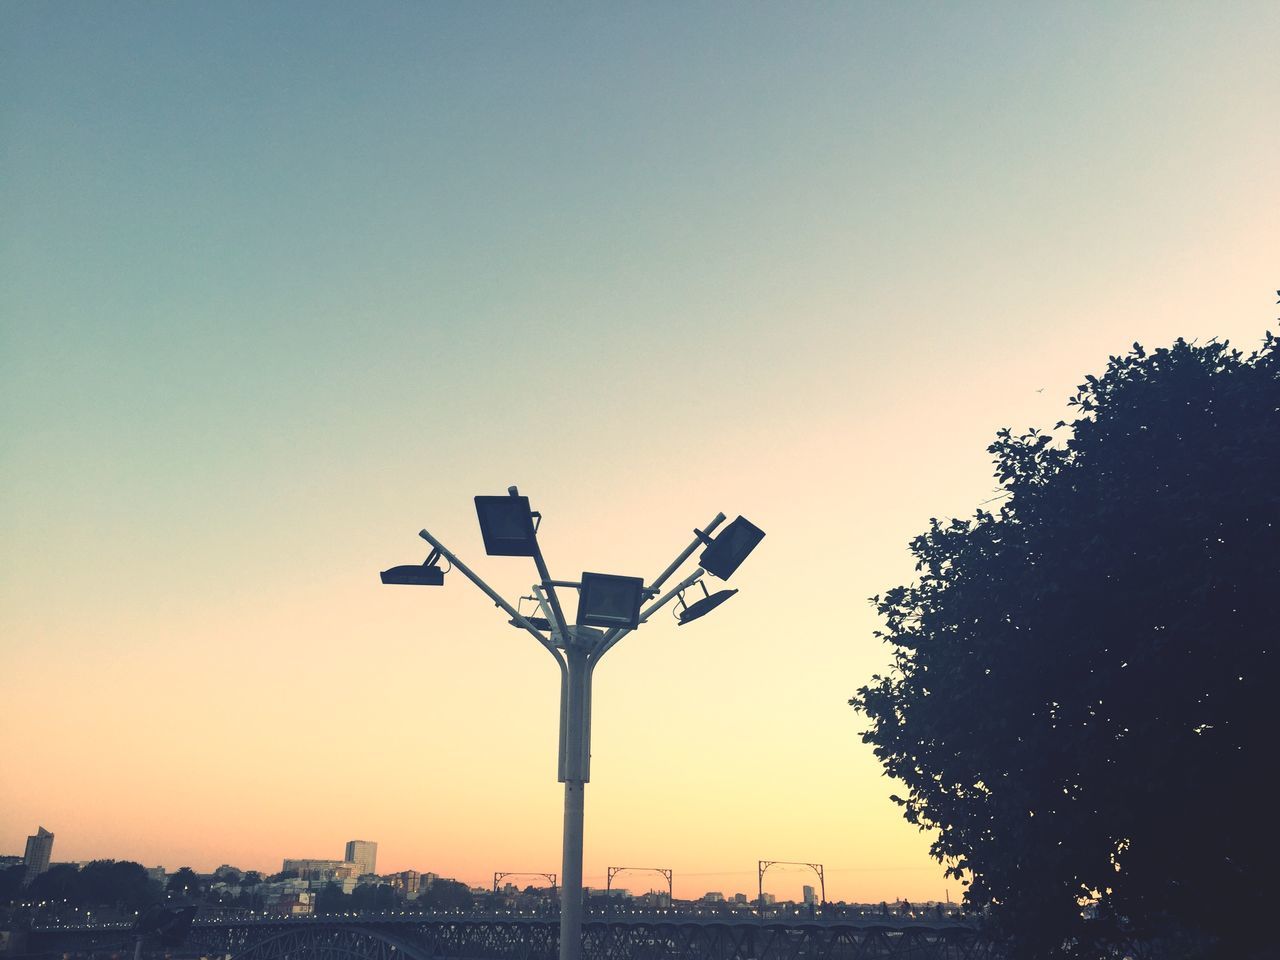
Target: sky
282 284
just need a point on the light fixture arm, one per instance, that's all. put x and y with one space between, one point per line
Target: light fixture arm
492 594
685 554
548 584
679 588
563 748
617 633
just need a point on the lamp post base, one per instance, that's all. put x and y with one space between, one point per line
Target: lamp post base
571 871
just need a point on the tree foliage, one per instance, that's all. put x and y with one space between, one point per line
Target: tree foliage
331 899
447 895
374 896
1080 700
59 882
102 883
11 880
187 882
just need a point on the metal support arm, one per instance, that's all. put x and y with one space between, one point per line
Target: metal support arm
613 636
492 594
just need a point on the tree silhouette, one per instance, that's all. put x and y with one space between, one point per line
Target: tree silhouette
185 882
59 882
1080 704
11 880
331 899
447 895
119 883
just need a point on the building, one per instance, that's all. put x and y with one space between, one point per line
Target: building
39 849
810 895
364 854
296 904
406 883
321 871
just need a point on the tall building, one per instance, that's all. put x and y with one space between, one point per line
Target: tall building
810 895
39 849
364 854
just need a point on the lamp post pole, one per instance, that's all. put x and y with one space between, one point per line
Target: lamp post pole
577 650
578 745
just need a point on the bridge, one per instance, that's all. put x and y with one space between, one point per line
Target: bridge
502 937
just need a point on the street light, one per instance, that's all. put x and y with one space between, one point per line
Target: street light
506 523
605 600
609 608
426 575
726 552
700 608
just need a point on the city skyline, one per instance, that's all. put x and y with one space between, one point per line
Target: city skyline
320 872
283 285
306 865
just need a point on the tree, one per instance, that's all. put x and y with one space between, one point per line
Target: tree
119 883
447 895
185 882
1080 704
57 883
331 899
11 879
374 896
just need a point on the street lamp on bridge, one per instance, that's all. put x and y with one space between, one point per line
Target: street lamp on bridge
665 871
763 865
609 608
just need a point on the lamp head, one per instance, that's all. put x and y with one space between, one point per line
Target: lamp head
730 547
506 523
700 608
419 575
540 623
606 600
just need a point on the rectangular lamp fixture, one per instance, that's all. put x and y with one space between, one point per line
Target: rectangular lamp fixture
415 574
605 600
506 523
730 548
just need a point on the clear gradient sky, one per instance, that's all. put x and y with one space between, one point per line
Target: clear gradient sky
284 282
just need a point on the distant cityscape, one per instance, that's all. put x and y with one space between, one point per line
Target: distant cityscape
37 885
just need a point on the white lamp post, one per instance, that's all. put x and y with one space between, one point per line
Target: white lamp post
609 607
